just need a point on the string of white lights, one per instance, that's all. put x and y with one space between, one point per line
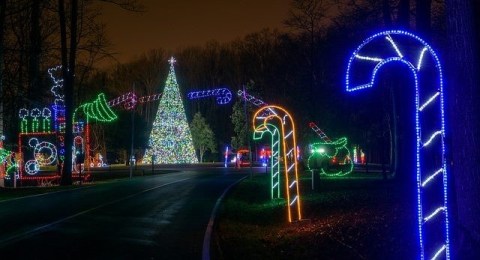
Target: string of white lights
430 140
368 58
389 38
419 64
430 100
433 214
431 177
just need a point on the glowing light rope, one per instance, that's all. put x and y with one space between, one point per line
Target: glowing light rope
319 132
4 154
431 177
423 123
439 252
59 103
256 102
283 118
224 95
427 218
32 167
430 140
170 139
430 100
389 38
98 110
46 114
44 153
35 113
422 53
226 157
274 160
23 113
150 98
368 58
129 100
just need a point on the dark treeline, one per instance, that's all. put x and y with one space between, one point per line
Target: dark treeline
301 67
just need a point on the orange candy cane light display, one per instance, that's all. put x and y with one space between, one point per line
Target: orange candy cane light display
279 116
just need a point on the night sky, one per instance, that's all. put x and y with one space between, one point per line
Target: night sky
172 24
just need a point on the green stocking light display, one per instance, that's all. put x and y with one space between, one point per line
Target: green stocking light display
170 139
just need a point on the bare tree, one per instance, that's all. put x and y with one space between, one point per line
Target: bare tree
3 5
462 85
310 18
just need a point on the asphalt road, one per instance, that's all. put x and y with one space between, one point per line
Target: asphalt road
156 217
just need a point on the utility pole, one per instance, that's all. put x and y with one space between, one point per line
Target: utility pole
248 132
132 158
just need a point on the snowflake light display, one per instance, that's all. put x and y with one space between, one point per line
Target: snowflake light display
170 139
406 49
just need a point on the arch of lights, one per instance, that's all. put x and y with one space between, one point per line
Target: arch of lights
409 50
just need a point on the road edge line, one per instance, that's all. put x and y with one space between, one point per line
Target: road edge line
208 232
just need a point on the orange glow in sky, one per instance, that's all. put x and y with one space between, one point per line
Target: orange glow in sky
173 24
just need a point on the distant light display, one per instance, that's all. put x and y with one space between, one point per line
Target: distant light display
149 98
331 158
319 132
44 153
226 157
170 139
59 103
4 154
34 126
129 101
98 110
223 95
285 122
404 48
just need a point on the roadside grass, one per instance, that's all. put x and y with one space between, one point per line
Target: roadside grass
349 218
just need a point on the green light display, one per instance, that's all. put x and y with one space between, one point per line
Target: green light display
98 110
170 139
274 162
331 158
4 154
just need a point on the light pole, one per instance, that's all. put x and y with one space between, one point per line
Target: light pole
133 133
246 124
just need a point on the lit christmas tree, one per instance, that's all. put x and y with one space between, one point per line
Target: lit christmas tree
170 140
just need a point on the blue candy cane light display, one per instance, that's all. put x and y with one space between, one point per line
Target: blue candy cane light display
224 95
407 49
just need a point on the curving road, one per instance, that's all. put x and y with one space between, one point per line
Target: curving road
156 217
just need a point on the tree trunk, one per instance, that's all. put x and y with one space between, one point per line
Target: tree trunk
462 70
3 5
387 15
68 70
423 17
404 14
34 89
